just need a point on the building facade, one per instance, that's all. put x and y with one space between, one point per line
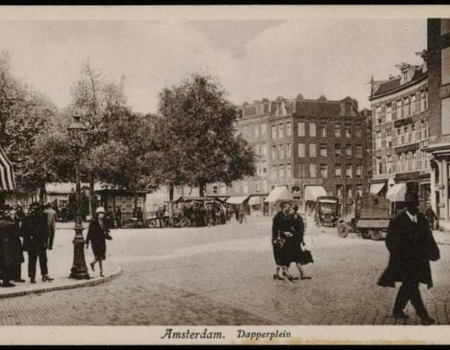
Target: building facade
439 90
400 131
304 145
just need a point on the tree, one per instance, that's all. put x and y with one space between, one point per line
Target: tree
196 136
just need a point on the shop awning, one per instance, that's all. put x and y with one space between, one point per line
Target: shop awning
237 200
313 192
396 193
7 181
376 188
278 193
254 200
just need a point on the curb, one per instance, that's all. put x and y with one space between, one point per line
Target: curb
81 284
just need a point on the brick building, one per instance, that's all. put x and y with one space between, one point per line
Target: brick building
309 147
439 92
400 133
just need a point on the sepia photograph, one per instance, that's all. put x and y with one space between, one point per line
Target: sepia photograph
224 175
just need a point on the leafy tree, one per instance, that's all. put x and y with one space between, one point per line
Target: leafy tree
196 136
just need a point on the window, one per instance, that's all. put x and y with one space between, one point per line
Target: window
274 152
379 168
394 163
337 130
348 150
323 171
358 170
337 170
424 100
445 69
245 187
409 161
263 129
257 186
288 150
312 130
407 135
274 132
401 163
348 171
378 139
301 129
445 121
280 131
358 151
425 132
264 151
389 164
281 173
407 107
337 150
264 168
257 130
288 171
301 150
414 161
323 130
399 109
301 171
281 151
389 137
339 191
215 189
413 104
312 171
388 112
359 190
274 172
288 129
348 131
349 192
312 150
413 133
323 150
358 130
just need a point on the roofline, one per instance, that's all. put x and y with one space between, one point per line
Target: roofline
402 87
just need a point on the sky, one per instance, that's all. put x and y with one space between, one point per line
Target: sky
253 58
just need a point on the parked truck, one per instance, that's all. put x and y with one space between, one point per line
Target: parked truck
370 218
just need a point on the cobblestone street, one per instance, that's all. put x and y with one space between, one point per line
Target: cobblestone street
223 276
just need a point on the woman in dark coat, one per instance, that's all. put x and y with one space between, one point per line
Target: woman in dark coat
281 231
294 252
97 236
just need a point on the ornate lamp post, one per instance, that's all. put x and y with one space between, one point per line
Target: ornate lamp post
79 269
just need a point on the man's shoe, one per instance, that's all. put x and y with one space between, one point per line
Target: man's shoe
47 278
400 314
8 285
20 281
426 321
33 281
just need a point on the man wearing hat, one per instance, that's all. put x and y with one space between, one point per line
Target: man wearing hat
410 244
35 241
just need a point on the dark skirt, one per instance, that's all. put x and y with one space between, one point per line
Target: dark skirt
279 255
294 252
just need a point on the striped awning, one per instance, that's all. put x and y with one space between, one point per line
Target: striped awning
7 182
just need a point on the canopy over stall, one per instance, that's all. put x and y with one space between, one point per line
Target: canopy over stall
7 181
313 192
376 188
256 200
396 193
237 200
278 193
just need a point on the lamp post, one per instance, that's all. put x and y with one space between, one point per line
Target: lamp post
79 269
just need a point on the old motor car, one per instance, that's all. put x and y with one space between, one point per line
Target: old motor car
326 211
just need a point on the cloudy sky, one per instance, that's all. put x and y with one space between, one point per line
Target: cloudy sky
253 58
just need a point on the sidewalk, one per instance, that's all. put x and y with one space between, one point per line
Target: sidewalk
60 261
442 237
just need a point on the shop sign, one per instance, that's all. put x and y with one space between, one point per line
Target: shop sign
407 176
403 122
406 149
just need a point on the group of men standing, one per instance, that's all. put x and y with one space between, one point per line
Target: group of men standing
33 233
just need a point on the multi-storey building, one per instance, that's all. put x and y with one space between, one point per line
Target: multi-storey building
439 91
400 133
310 147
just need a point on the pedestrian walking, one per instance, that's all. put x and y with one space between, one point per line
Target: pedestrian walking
119 217
35 240
51 223
281 230
294 252
411 246
96 235
11 254
431 217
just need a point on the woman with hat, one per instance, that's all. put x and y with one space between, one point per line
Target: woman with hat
97 237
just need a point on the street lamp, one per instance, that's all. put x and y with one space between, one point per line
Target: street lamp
79 269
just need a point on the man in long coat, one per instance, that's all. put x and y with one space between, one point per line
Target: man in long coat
11 255
35 241
410 243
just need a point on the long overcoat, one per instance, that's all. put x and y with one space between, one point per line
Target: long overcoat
409 245
35 233
293 249
11 245
281 224
96 236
